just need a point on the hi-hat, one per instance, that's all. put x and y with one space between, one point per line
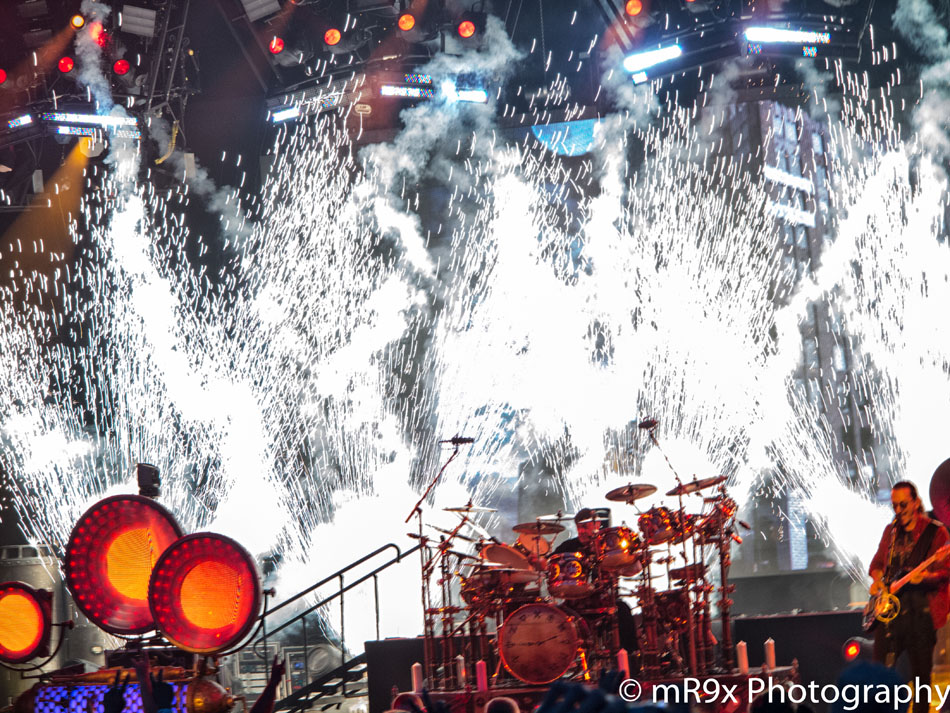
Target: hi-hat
470 508
538 528
695 485
629 493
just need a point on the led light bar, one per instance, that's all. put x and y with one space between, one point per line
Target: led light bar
284 114
416 78
635 63
478 96
92 131
24 120
107 122
395 90
795 37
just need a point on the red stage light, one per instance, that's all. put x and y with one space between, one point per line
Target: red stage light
466 29
109 559
3 76
406 22
633 7
205 593
77 21
66 64
332 36
851 651
121 66
99 34
24 622
276 45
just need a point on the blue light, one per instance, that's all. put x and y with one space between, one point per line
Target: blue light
569 138
396 90
107 122
284 114
810 51
643 60
795 37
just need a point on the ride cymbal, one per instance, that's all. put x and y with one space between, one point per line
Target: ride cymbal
695 485
470 508
538 528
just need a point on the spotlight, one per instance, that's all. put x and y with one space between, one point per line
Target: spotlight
640 61
470 24
466 29
276 45
66 65
332 37
406 22
77 21
109 559
25 622
121 67
99 34
780 35
205 593
633 7
137 21
857 647
3 76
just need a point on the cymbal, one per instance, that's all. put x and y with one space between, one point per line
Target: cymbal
538 528
449 532
557 516
629 493
470 508
695 485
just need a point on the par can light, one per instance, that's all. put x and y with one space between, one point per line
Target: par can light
25 622
109 559
205 593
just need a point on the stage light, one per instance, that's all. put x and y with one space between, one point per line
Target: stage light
857 647
25 622
24 120
137 21
633 7
284 114
466 29
774 34
635 63
276 45
110 555
121 67
406 22
62 117
77 21
257 9
398 90
98 34
332 36
3 76
66 65
205 593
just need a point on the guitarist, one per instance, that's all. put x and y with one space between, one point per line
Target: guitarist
924 603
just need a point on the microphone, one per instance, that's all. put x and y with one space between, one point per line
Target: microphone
458 440
647 424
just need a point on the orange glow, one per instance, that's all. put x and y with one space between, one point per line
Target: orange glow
129 561
466 28
276 45
210 593
332 36
851 651
21 623
633 7
406 22
98 34
77 21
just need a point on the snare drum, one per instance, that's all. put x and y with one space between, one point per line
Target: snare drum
617 547
570 576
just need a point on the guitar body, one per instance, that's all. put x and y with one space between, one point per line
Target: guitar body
883 607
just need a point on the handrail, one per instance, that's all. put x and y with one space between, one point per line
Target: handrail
400 555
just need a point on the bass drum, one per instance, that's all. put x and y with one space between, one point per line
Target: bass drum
538 643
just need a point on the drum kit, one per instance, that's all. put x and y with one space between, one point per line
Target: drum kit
534 615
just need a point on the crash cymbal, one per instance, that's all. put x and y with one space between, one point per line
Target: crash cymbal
538 528
449 532
470 508
695 485
629 493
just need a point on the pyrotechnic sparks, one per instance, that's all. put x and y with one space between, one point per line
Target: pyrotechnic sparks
294 401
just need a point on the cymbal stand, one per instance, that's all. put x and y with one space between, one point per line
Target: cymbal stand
649 654
726 533
690 631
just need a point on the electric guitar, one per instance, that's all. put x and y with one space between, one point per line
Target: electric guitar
885 606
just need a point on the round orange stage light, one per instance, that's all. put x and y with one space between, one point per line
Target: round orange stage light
24 622
276 45
466 29
633 7
332 36
77 21
406 22
205 593
66 64
109 559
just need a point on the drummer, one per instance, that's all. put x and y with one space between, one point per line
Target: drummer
588 522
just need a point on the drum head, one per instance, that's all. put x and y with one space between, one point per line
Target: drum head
538 643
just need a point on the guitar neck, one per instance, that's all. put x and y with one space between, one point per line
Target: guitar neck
895 588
